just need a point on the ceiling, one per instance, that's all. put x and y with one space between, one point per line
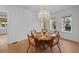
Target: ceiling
50 8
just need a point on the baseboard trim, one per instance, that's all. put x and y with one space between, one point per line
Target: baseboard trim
16 42
69 40
3 33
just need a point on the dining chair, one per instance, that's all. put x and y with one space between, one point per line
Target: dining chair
33 33
56 41
44 31
37 43
49 43
31 41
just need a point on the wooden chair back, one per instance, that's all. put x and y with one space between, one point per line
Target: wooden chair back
57 38
29 37
44 31
33 33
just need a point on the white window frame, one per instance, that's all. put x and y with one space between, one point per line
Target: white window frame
4 17
51 20
63 29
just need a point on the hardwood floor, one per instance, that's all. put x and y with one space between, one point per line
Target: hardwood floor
3 43
65 45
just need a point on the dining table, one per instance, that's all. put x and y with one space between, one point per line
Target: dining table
45 39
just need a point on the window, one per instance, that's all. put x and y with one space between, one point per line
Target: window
53 24
3 20
67 24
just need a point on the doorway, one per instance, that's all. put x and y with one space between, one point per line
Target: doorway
3 31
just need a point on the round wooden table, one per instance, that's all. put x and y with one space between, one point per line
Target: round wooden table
45 39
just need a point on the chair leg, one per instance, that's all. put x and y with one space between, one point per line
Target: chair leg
36 48
51 49
59 48
28 48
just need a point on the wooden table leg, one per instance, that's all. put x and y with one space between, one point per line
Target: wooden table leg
49 43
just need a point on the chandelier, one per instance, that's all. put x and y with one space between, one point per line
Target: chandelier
44 16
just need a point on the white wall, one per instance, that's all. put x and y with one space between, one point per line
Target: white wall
75 23
21 22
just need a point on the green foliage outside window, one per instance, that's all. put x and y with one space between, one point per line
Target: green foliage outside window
67 23
53 23
3 22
